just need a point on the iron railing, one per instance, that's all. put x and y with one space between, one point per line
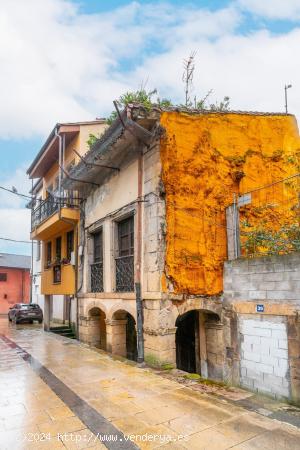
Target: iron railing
97 277
125 273
48 207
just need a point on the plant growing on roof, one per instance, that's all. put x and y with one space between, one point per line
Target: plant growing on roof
92 139
187 78
141 96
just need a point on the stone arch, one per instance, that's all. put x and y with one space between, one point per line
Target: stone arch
97 327
94 304
121 333
199 304
120 307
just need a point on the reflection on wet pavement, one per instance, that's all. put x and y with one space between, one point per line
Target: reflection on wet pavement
90 387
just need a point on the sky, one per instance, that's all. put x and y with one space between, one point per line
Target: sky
67 60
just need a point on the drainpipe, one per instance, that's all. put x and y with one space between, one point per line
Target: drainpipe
75 268
31 272
59 160
139 301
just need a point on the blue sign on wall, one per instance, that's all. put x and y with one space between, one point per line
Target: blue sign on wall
260 308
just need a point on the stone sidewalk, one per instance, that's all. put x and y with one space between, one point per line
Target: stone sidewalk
55 388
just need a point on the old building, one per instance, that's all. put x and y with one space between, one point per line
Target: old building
14 280
54 221
155 189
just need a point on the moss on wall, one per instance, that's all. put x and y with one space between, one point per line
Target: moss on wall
205 160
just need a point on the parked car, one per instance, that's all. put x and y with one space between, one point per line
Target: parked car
25 312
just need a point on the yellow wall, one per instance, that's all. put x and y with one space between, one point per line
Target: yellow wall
203 157
67 285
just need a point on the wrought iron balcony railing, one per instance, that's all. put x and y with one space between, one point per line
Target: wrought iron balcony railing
48 207
97 277
125 273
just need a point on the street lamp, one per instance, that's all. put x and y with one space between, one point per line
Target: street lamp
286 87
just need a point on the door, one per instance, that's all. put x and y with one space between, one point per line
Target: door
185 342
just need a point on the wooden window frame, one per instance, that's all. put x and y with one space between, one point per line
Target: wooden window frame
3 277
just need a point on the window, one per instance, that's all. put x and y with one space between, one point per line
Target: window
58 248
125 256
48 254
97 266
70 244
38 250
57 274
98 247
126 237
3 276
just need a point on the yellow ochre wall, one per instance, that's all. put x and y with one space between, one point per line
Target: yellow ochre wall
205 160
67 285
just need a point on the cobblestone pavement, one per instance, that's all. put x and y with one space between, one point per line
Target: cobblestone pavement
56 393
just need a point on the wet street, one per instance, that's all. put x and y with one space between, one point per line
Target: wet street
56 393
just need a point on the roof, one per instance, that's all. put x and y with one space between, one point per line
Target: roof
15 261
108 153
72 128
134 121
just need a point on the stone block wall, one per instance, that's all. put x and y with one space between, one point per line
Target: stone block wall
274 278
153 223
264 295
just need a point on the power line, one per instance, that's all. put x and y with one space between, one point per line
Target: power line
16 240
12 191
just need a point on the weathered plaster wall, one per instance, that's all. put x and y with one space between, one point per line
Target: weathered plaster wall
205 160
117 192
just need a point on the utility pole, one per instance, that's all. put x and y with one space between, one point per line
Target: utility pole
286 87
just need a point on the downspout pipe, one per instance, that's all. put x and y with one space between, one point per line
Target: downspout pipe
60 150
76 229
138 290
31 269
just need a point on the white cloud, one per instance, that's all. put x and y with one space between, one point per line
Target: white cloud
14 217
59 64
251 69
273 9
15 224
20 181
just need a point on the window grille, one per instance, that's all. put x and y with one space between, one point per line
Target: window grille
97 266
125 258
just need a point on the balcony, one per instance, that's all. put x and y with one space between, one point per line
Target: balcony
49 216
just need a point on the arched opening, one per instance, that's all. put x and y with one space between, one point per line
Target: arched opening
186 341
97 328
125 335
200 344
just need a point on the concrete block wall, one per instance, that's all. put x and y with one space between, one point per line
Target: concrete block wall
274 278
264 354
